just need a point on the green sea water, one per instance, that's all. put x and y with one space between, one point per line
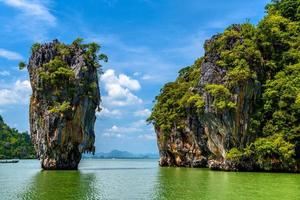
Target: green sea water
141 179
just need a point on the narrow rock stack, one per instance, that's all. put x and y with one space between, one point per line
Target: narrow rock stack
65 96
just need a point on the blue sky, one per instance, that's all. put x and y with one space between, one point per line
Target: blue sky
147 42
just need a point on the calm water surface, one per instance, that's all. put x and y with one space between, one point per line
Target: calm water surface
140 179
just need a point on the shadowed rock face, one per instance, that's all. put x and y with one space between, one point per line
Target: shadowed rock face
65 95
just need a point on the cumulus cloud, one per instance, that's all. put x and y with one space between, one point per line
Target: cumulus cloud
119 89
147 137
105 112
117 131
136 73
18 93
35 9
123 80
142 113
123 131
4 73
10 55
148 77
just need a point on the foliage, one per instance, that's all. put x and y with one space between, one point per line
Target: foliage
63 49
192 101
175 99
57 78
268 153
22 65
35 47
14 144
60 108
55 74
221 96
287 8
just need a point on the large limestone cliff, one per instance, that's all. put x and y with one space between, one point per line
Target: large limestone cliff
238 106
206 138
65 96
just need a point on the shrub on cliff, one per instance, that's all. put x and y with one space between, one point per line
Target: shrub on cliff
270 154
175 99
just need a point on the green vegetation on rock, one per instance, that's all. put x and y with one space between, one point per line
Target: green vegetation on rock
175 99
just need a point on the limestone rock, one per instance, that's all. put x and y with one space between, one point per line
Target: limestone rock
213 133
65 95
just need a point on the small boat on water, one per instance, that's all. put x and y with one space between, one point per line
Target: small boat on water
9 161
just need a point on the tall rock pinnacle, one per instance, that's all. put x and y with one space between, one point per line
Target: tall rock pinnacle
65 96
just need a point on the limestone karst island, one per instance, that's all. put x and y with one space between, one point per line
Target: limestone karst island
150 99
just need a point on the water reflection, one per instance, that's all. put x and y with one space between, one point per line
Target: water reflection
141 179
62 185
204 184
181 183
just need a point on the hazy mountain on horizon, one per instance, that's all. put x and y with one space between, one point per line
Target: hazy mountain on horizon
115 153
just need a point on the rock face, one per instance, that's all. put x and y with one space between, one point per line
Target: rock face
65 95
228 128
185 148
207 138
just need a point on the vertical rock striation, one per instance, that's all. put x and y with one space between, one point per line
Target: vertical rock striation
65 96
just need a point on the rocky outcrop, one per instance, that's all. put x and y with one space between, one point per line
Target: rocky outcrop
65 95
207 137
237 107
183 148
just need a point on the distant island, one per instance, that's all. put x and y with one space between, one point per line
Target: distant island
121 155
14 144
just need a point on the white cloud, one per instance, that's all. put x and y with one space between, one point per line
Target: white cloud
10 55
128 82
119 88
109 77
136 73
148 77
4 73
105 112
142 113
31 20
116 131
147 136
18 93
35 9
123 131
